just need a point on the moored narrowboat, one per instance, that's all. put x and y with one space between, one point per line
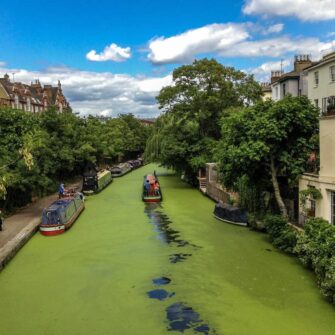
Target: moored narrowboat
120 170
151 189
61 215
230 214
95 181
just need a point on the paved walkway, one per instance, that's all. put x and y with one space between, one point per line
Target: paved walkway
20 227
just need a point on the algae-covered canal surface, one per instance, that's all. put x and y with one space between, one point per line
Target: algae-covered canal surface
126 268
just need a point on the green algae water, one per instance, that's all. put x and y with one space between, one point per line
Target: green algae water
129 268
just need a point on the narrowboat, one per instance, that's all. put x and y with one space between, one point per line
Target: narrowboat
230 214
120 170
95 181
151 189
61 215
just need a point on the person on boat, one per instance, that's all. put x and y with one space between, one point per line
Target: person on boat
147 186
1 220
156 187
61 191
152 186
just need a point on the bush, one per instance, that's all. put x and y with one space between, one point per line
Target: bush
282 235
316 249
256 222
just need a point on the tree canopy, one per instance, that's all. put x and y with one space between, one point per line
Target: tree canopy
38 150
268 140
184 136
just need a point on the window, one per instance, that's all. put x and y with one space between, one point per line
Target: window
16 103
316 78
28 105
316 103
312 205
284 89
277 92
332 73
332 208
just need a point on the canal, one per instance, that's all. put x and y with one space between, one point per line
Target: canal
126 268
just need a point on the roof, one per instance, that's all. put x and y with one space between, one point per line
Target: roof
35 91
287 76
325 60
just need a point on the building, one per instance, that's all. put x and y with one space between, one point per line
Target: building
294 82
324 180
321 84
209 184
267 91
321 91
147 122
31 98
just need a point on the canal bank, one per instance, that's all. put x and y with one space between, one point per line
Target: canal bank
130 268
19 228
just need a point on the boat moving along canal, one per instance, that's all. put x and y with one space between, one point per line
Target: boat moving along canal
95 181
61 215
151 189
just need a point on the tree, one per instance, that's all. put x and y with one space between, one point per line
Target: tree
268 140
37 151
184 137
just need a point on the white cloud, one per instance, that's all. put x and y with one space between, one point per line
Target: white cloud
305 10
275 29
232 40
101 93
262 73
2 64
184 47
111 53
276 47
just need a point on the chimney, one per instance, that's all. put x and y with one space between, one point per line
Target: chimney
275 75
301 62
6 77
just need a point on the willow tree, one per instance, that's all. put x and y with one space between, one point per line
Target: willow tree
268 140
184 137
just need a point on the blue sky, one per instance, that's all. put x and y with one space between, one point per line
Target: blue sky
145 40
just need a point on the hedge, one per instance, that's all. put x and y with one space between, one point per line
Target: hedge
314 246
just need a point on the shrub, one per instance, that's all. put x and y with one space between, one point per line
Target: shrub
316 249
256 222
328 283
282 235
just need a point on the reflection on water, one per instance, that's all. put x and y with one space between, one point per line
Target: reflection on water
176 258
161 281
160 294
180 316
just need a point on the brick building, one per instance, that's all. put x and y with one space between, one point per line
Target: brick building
32 98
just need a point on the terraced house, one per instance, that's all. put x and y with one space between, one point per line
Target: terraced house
321 91
32 98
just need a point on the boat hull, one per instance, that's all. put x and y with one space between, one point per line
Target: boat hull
52 230
57 229
241 224
152 199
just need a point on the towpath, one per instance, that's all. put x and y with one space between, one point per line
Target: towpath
20 227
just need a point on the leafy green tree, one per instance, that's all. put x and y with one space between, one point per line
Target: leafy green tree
268 140
184 137
37 151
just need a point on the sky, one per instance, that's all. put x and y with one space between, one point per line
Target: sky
113 56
